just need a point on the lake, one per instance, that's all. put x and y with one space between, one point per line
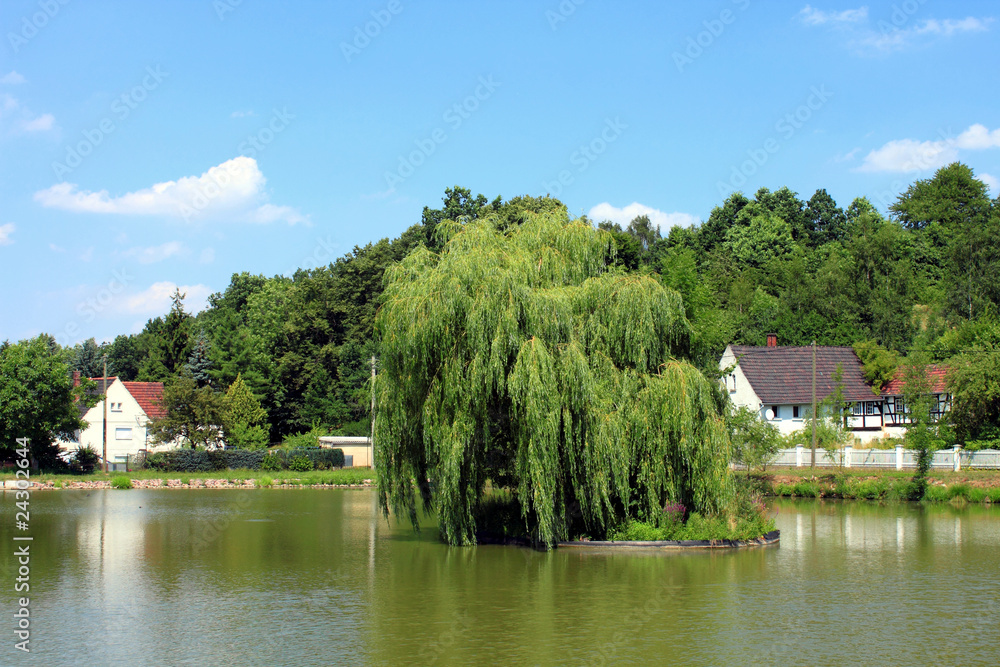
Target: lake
317 577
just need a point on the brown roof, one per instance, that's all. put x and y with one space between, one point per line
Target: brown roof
936 377
149 396
783 375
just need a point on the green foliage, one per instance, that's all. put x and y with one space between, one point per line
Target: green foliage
879 363
305 439
38 400
241 436
168 343
194 415
517 358
758 239
121 482
300 463
124 358
200 460
199 363
83 461
697 527
974 382
87 358
754 441
242 415
271 461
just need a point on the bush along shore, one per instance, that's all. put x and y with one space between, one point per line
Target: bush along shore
956 487
225 479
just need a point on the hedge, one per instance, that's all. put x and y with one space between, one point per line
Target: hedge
200 460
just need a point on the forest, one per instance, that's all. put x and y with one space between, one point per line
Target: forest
920 282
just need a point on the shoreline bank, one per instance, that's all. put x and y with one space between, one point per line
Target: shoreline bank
972 486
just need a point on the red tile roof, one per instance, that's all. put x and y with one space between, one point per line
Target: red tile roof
936 377
782 375
149 396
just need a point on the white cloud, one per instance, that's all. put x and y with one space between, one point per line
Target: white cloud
156 298
40 124
812 16
207 256
908 155
54 248
233 190
18 119
158 253
848 156
623 216
12 78
864 39
991 181
5 232
242 114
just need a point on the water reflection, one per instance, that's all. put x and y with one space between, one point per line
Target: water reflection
317 577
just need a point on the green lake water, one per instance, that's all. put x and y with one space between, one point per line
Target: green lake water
317 577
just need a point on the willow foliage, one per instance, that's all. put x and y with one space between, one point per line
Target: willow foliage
520 359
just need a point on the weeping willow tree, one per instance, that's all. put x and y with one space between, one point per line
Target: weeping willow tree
520 360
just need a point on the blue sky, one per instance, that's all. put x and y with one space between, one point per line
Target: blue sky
145 146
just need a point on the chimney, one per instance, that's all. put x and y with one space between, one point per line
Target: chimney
772 340
76 378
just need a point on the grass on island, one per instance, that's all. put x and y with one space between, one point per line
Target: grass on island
499 517
263 478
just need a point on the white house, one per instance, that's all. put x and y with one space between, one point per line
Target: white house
776 382
131 405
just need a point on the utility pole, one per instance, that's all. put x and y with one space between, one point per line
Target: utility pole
104 381
812 460
371 440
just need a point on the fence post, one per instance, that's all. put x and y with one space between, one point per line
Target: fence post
848 450
957 460
899 457
798 456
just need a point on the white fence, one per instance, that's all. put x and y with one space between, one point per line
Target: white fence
953 458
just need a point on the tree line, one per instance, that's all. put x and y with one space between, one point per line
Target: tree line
919 282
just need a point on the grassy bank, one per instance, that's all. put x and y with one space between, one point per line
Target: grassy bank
217 479
974 486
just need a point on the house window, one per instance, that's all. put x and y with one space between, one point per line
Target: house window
858 409
869 408
795 412
123 434
774 408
